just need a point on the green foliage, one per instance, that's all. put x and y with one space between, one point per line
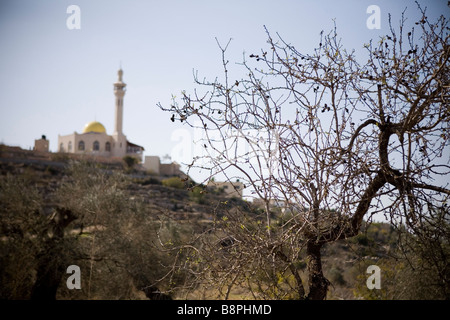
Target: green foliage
415 267
300 265
148 181
197 194
21 230
124 254
59 157
173 182
361 239
130 162
336 277
112 239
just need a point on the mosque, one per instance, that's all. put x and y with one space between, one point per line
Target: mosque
95 141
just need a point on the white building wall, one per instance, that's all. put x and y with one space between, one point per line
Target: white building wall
88 139
152 163
119 145
64 141
231 189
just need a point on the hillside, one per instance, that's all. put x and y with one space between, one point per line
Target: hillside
122 221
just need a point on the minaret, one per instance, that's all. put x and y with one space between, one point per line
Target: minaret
120 141
119 92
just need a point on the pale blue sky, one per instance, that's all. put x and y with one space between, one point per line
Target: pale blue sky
53 80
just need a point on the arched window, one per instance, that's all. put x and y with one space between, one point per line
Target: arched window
61 147
96 146
69 146
108 146
81 145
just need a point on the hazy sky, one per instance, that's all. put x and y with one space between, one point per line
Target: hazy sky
53 80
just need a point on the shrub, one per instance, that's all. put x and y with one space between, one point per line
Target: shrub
197 194
336 277
150 180
130 162
173 182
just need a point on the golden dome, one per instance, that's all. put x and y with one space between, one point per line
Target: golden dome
94 126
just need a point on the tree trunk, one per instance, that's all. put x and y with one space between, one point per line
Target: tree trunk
52 258
318 284
49 272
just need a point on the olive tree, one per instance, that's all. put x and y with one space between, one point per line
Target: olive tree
86 216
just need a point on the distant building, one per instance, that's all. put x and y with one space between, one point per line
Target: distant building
284 205
170 169
153 165
230 189
41 145
95 141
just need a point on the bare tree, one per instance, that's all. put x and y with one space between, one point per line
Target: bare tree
332 139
